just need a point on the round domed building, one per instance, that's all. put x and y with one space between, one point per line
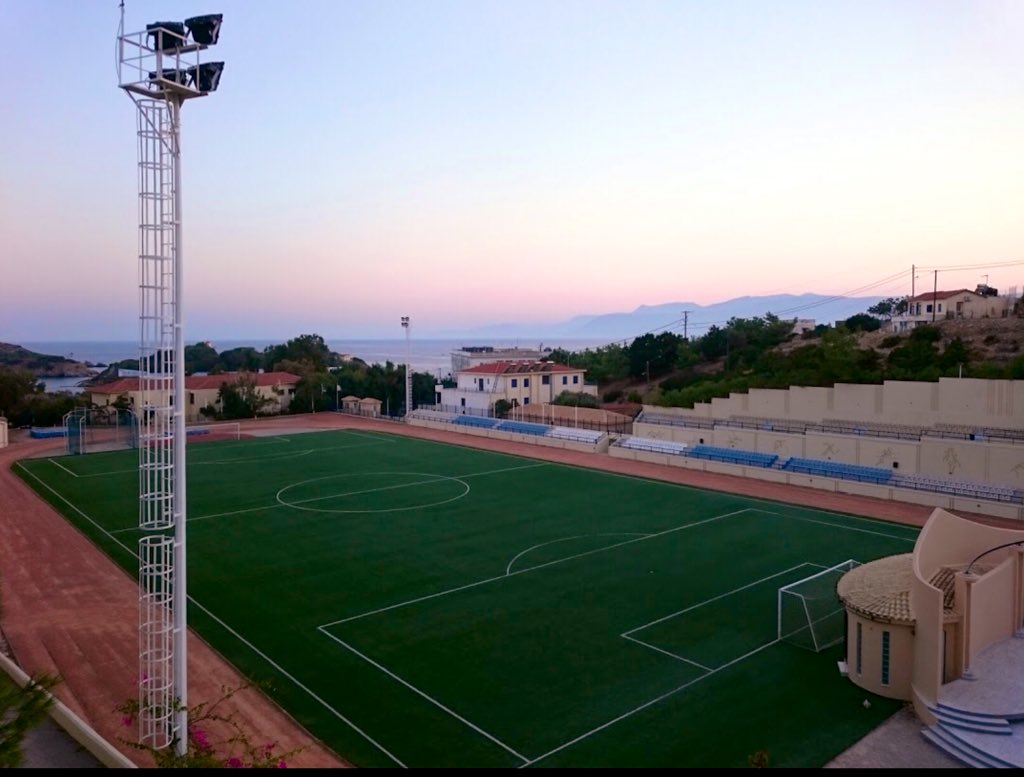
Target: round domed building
943 624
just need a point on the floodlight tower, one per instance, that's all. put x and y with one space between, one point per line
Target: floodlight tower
408 369
160 68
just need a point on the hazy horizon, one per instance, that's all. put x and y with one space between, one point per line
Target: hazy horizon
473 162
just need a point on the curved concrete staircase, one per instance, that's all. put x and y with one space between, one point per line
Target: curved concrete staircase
980 722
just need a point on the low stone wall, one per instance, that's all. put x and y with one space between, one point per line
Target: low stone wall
494 434
75 727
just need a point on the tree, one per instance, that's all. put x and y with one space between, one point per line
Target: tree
201 357
862 322
15 385
501 408
242 398
955 356
653 355
889 307
240 359
309 349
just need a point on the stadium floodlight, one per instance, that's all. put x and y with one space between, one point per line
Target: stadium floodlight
206 76
205 30
166 36
170 74
160 68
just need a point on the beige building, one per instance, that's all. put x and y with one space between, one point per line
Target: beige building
917 623
202 391
941 305
3 432
520 383
365 406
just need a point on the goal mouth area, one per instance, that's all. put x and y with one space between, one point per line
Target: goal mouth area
810 614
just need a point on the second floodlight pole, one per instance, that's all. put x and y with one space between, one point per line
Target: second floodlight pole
408 368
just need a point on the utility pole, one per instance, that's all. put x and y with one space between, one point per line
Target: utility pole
913 277
935 293
686 321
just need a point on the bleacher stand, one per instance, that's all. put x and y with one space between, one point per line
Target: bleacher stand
523 427
733 456
964 488
838 469
652 446
588 436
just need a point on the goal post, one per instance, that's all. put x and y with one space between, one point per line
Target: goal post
810 614
214 430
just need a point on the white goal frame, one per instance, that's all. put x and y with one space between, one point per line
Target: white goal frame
810 621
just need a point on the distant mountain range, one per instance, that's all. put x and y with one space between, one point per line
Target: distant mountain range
822 308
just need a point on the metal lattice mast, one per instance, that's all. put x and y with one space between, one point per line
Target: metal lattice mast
157 443
159 69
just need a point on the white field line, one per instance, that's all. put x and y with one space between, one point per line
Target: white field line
650 703
529 569
665 652
426 696
837 526
299 684
277 504
234 633
249 460
58 464
430 479
369 436
714 599
508 569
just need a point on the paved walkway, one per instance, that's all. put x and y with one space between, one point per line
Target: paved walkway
896 744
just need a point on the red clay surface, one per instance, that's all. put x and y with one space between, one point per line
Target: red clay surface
67 609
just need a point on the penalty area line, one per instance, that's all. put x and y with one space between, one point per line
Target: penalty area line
58 464
647 704
424 695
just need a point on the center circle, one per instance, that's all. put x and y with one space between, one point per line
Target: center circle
363 487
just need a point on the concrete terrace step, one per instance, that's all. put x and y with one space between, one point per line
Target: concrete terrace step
974 714
958 750
985 724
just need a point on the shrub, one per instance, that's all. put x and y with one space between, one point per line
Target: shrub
22 709
232 748
891 342
613 396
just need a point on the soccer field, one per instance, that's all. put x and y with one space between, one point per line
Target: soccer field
419 604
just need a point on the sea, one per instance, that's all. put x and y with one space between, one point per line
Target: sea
426 355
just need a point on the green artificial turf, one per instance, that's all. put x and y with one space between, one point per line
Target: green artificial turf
431 605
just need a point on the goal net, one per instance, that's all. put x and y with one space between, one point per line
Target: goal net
810 613
89 430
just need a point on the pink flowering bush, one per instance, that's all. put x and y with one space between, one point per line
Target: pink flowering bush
229 748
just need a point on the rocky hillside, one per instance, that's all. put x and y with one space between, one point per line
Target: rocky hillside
39 364
996 340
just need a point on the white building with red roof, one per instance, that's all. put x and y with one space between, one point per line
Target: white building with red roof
202 391
519 383
942 305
